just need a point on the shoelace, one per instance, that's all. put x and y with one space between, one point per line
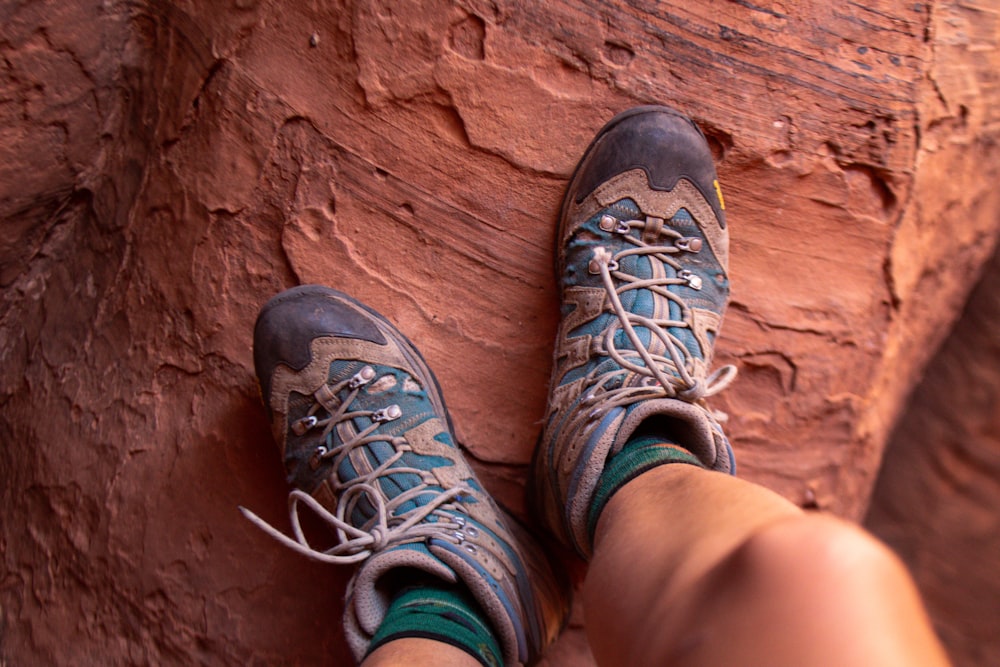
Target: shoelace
669 375
387 528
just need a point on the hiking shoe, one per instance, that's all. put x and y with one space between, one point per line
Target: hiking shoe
642 255
369 448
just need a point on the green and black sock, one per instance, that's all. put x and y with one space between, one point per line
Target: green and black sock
444 612
642 452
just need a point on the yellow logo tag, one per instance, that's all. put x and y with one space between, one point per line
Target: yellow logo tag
718 191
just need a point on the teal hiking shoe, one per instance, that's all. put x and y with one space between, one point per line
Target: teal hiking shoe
369 448
642 269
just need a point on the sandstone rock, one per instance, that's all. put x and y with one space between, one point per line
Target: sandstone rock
168 166
937 496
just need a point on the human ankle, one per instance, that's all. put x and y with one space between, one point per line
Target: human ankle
650 446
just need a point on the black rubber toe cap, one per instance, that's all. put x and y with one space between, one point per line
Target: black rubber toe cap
291 320
661 141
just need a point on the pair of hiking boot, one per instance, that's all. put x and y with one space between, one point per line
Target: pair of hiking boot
368 443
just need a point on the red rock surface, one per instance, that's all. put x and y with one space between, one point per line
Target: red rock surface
167 166
937 496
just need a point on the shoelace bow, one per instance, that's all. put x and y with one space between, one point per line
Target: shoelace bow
668 375
387 528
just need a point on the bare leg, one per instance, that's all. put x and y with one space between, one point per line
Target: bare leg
698 568
416 652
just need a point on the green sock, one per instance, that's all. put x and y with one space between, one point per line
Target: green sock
641 453
444 612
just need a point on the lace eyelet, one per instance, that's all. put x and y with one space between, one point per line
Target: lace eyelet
362 377
688 243
387 414
302 426
316 460
602 256
693 280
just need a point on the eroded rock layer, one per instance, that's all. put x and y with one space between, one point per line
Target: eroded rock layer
167 166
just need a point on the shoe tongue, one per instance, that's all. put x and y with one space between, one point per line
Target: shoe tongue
371 593
646 303
392 388
392 484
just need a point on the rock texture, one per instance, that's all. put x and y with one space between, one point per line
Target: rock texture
165 166
937 496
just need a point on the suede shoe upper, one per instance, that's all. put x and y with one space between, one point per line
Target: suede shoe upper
642 263
369 448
